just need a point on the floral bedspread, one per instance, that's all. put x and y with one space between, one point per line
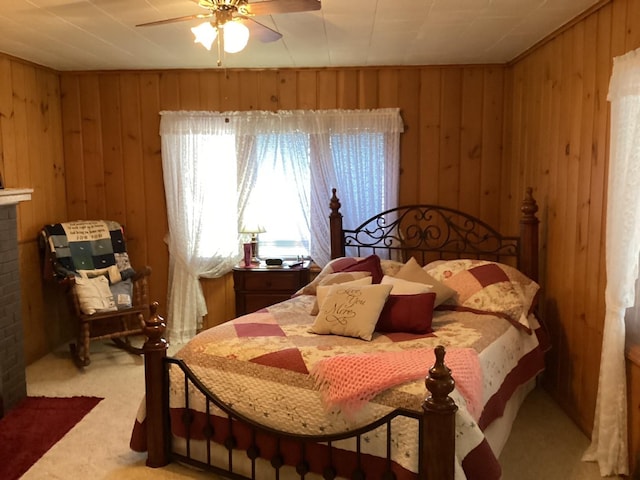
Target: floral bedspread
260 364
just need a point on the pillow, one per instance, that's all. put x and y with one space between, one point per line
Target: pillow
413 272
122 293
405 287
368 264
333 266
343 278
407 313
351 310
111 272
94 295
491 287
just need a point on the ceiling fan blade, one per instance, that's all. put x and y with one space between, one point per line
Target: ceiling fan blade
260 31
274 7
177 19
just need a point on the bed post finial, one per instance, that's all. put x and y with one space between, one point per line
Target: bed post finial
528 261
439 422
335 226
155 350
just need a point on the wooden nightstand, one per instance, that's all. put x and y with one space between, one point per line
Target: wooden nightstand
260 286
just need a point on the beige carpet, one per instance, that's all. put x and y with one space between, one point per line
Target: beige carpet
545 444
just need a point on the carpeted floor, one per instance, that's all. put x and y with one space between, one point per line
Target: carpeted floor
544 443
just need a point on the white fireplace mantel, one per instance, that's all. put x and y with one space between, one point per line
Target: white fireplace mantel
11 196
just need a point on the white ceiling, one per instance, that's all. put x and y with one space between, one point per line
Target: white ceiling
101 34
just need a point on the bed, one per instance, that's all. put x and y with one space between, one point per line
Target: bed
331 383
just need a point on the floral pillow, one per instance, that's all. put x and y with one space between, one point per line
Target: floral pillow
351 310
487 287
413 272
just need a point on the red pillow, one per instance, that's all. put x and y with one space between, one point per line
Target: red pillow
407 313
369 264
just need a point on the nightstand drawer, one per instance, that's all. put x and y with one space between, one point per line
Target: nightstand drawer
271 280
259 287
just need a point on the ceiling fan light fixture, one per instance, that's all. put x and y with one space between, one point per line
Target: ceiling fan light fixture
205 34
236 36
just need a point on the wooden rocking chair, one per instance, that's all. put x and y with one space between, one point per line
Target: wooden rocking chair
109 299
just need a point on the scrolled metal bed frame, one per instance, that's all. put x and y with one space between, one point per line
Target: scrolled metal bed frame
428 231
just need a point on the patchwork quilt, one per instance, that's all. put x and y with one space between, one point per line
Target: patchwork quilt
263 364
87 245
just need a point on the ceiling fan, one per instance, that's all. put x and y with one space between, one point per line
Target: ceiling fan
234 19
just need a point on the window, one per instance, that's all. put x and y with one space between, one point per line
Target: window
225 169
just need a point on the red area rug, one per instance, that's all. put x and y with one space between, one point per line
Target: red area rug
33 426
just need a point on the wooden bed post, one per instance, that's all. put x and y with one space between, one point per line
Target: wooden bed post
528 261
157 423
335 227
439 425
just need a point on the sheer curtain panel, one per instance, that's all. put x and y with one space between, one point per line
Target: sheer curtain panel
200 179
609 438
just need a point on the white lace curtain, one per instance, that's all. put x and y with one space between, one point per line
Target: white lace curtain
609 438
204 189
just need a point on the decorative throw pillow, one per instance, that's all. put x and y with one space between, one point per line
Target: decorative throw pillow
492 287
351 310
94 295
351 278
413 272
405 287
335 265
122 293
407 313
369 264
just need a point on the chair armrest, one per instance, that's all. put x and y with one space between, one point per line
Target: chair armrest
145 272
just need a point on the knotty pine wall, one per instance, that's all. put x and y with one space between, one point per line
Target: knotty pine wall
88 143
556 139
31 156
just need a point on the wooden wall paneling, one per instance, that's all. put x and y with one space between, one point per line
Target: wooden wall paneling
73 139
189 90
92 146
169 91
449 158
551 225
471 148
585 384
53 175
368 88
111 135
248 84
410 158
230 91
562 287
575 335
287 90
20 75
209 87
156 225
491 143
131 93
268 91
307 90
347 89
429 143
327 90
632 30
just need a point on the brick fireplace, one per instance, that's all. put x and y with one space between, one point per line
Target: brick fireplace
13 386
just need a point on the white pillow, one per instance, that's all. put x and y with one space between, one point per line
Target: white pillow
94 295
405 287
351 310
